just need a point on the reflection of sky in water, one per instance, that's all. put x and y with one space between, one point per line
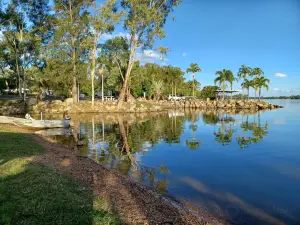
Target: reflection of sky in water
246 167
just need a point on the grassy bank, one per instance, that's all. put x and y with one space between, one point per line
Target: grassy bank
33 194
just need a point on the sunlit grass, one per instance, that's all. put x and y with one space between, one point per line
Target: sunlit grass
33 194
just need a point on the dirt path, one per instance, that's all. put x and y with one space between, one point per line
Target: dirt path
135 203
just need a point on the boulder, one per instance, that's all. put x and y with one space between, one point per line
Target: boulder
56 101
32 101
69 100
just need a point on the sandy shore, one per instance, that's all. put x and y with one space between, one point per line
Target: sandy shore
135 203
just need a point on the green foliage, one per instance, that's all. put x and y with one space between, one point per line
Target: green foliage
209 92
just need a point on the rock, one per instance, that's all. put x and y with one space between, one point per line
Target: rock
56 101
69 100
32 101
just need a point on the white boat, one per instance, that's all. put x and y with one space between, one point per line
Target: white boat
55 132
35 123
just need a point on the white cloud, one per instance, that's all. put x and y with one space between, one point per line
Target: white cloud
105 37
276 89
149 56
281 75
184 54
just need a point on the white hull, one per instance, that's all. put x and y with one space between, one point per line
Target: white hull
35 123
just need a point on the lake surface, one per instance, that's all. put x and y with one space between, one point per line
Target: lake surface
245 167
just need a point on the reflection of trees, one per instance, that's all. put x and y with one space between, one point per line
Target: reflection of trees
224 135
255 129
193 143
226 131
125 142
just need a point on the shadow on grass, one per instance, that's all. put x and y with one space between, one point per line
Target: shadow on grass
33 194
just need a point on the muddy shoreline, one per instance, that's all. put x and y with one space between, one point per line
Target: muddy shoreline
134 202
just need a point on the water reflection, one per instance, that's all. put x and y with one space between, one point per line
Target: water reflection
121 142
224 151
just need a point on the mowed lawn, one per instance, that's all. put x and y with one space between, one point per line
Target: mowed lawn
34 194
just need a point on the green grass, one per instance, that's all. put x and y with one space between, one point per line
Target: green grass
33 194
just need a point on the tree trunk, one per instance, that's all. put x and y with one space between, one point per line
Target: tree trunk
193 85
74 85
124 87
93 69
248 93
102 86
126 145
18 70
259 93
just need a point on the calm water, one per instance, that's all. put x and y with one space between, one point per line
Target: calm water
244 167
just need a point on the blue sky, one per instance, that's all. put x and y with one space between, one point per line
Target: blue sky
224 34
219 34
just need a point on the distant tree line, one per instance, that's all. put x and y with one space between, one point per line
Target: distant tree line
283 97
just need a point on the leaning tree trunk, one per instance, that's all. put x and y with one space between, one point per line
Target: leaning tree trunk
124 87
126 145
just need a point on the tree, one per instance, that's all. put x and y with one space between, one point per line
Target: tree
144 23
257 72
243 74
261 82
194 68
209 92
246 85
72 31
102 22
158 88
223 77
25 26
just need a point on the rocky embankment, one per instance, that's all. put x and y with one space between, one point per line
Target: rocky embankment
142 106
14 107
226 104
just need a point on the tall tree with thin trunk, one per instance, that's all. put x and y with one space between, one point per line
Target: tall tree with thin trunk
102 21
194 68
261 82
223 77
71 35
243 74
145 22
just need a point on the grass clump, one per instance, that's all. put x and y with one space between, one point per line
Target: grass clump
34 194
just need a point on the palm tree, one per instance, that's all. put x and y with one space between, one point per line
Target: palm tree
158 88
246 85
261 82
223 77
243 73
194 68
257 72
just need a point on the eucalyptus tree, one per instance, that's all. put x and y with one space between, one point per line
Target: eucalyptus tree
144 22
102 21
114 55
261 82
26 27
70 42
194 68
